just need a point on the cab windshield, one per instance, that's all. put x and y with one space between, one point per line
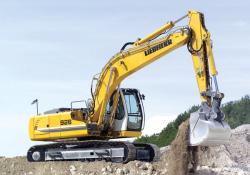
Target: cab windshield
133 109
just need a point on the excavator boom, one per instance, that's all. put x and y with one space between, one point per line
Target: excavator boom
148 50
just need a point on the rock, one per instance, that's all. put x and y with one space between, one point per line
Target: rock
241 173
205 167
242 129
138 164
125 170
13 165
164 149
146 166
119 171
92 173
144 173
248 138
156 173
164 171
143 167
104 169
109 169
72 169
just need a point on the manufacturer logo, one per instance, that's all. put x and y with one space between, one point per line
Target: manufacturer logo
157 47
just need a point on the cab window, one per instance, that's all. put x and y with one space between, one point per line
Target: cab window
134 110
120 112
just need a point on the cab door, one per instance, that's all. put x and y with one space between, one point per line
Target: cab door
129 115
120 119
134 109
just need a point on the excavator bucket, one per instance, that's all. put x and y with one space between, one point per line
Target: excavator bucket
207 132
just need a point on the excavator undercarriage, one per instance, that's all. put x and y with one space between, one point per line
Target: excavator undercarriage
91 150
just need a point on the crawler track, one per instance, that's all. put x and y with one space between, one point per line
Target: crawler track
114 151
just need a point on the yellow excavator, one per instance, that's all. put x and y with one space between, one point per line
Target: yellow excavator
115 112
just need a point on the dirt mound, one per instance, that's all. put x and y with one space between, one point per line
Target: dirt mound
180 158
179 153
230 159
19 165
176 159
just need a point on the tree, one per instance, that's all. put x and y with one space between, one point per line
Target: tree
236 112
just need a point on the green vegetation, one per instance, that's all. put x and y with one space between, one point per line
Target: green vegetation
237 113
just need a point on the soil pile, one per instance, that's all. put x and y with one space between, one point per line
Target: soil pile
179 154
230 159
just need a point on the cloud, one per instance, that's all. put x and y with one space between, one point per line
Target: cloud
240 23
155 124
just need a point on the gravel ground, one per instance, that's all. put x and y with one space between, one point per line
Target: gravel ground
231 159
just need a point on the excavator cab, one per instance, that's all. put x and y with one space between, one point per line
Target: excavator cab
129 115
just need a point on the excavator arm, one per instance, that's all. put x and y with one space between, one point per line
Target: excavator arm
129 61
151 48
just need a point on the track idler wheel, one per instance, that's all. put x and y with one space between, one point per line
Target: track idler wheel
35 155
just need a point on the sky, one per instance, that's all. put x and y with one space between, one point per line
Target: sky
51 49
